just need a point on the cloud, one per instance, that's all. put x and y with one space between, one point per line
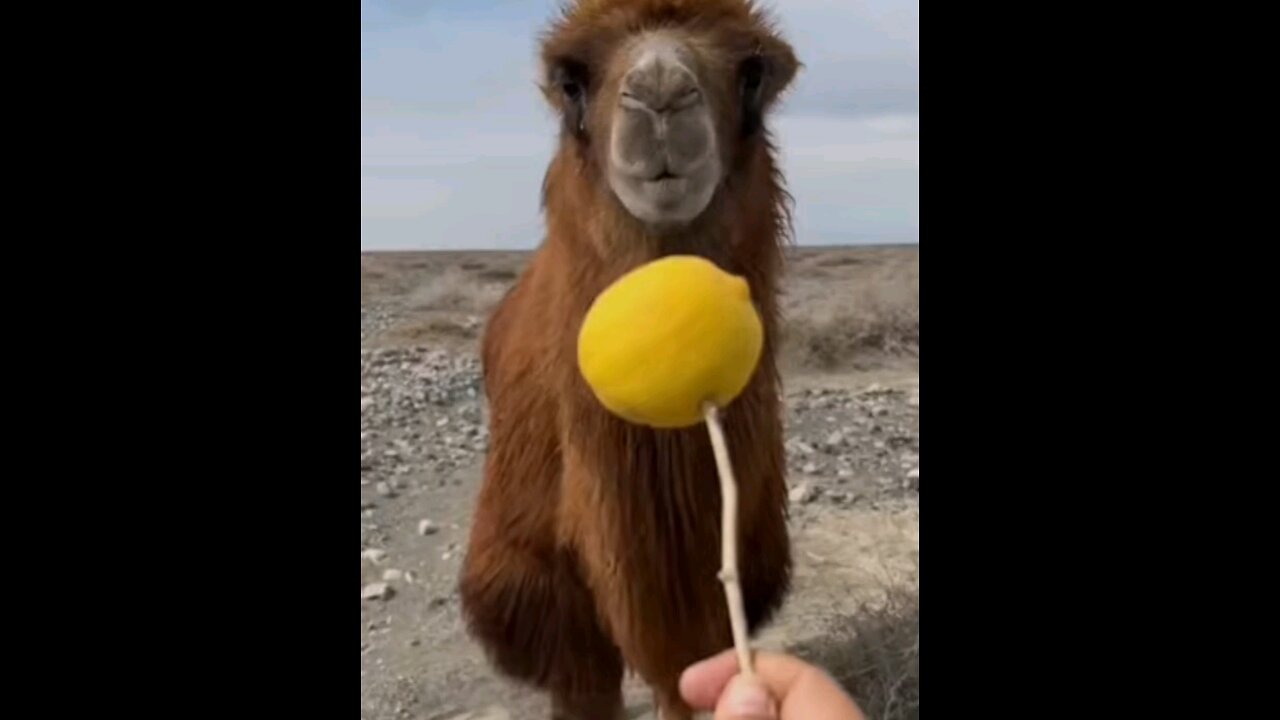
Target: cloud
451 143
883 141
854 179
861 57
455 136
387 198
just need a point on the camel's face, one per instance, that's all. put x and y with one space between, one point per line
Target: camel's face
664 98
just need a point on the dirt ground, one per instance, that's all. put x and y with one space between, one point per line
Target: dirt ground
850 356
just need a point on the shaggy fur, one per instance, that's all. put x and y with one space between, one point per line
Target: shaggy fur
595 543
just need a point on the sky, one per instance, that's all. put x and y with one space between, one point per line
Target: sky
455 137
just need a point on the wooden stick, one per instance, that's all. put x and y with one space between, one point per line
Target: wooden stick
729 540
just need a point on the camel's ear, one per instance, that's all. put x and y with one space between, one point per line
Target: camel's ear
763 75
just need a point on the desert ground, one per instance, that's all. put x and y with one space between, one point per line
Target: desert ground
850 355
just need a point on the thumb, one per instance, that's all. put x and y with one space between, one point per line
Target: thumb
746 699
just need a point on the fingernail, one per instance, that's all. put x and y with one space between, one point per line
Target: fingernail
749 699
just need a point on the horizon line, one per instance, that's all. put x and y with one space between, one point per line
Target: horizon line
854 246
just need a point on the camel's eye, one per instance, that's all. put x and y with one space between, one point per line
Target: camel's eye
751 76
571 77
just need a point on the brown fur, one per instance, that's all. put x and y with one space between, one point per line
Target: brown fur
596 543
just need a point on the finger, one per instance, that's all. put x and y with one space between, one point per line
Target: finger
702 683
746 699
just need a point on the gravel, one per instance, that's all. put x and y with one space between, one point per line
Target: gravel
422 417
376 591
423 436
845 446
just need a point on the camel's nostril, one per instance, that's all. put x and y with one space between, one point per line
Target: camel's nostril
688 99
660 82
660 104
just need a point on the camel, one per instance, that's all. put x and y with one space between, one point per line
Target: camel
595 543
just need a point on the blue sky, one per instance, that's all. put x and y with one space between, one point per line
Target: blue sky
454 136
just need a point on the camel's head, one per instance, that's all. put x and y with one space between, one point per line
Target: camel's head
662 98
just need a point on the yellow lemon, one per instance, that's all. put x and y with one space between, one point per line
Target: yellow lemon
667 337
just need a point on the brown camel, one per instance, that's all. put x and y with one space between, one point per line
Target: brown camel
596 544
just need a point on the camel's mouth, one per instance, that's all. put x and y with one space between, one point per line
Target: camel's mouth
667 197
667 189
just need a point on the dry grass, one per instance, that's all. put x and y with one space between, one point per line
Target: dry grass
432 330
456 289
875 653
878 324
843 308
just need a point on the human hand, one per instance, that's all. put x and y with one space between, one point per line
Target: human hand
784 688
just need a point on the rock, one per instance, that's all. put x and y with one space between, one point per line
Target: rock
913 479
810 468
374 555
844 473
384 489
799 447
391 575
835 439
376 591
802 494
493 712
426 527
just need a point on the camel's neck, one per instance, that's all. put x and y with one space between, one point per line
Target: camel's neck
588 231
